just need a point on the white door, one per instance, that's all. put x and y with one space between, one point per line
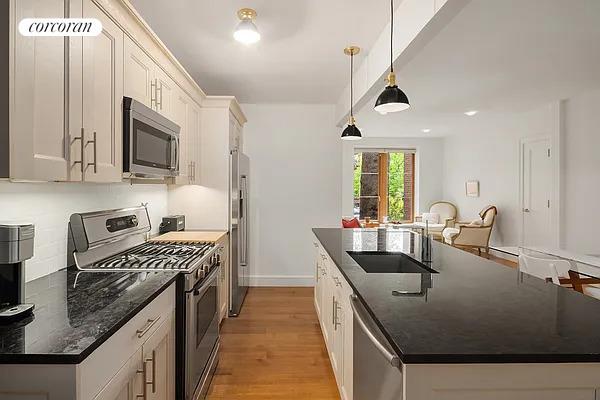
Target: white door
139 74
39 129
102 99
537 192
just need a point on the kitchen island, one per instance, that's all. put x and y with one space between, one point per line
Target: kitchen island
465 327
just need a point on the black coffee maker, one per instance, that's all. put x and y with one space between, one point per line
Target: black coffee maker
16 246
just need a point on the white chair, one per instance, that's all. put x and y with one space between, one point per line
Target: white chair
442 214
544 268
475 234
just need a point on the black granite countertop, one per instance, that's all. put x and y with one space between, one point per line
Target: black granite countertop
75 312
472 311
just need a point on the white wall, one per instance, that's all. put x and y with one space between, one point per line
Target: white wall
490 154
581 174
49 206
295 184
428 168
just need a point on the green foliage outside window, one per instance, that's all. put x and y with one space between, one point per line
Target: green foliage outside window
396 187
395 184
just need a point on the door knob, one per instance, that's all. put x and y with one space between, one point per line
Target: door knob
526 210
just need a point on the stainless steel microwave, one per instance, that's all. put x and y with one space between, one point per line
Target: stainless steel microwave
150 142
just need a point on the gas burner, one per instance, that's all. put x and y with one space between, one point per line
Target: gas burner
152 256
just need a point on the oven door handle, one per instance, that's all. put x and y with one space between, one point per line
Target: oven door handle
203 286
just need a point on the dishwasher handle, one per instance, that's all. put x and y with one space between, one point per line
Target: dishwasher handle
389 356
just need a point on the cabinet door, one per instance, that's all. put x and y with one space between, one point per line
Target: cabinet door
139 74
181 106
318 282
337 348
159 362
102 99
327 309
165 91
194 142
127 383
39 129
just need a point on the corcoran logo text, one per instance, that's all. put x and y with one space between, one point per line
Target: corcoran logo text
60 27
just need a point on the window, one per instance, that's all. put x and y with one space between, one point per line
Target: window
384 185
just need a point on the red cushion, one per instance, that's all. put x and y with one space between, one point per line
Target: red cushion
351 223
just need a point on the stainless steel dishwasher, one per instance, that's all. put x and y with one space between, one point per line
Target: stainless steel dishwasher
377 369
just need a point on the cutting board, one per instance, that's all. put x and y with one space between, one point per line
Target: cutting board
190 236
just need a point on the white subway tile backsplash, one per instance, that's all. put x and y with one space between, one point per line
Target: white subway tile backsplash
49 206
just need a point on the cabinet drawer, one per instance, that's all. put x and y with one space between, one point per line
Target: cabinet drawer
96 370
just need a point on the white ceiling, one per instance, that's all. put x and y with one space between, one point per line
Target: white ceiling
497 57
298 60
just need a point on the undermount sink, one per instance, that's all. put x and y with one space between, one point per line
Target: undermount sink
388 263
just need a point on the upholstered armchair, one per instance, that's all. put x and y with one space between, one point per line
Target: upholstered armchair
441 215
475 234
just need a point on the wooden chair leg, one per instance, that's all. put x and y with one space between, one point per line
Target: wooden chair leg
479 251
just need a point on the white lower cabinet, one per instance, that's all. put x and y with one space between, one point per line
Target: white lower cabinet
136 363
332 294
127 383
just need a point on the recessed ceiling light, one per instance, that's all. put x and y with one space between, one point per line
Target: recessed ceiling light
426 130
471 113
246 32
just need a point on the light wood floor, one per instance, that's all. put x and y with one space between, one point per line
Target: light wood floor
274 350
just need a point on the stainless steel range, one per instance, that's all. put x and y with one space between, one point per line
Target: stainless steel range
116 240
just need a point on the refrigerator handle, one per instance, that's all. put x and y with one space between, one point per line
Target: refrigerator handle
243 221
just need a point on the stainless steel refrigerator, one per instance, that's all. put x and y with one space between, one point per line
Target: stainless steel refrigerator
238 228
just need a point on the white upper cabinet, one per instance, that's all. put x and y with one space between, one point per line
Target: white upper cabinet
181 106
66 94
146 82
139 73
194 143
102 99
39 131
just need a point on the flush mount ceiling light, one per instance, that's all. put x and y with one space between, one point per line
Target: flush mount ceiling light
351 132
471 113
392 99
246 32
426 130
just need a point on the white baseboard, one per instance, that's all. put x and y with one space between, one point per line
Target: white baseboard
282 280
504 254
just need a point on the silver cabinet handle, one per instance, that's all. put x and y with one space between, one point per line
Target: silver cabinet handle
153 94
390 357
95 143
333 311
82 145
149 324
158 89
336 323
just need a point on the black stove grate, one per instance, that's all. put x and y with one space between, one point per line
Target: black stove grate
157 256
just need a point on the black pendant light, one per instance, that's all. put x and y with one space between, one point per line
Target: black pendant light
392 99
351 132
